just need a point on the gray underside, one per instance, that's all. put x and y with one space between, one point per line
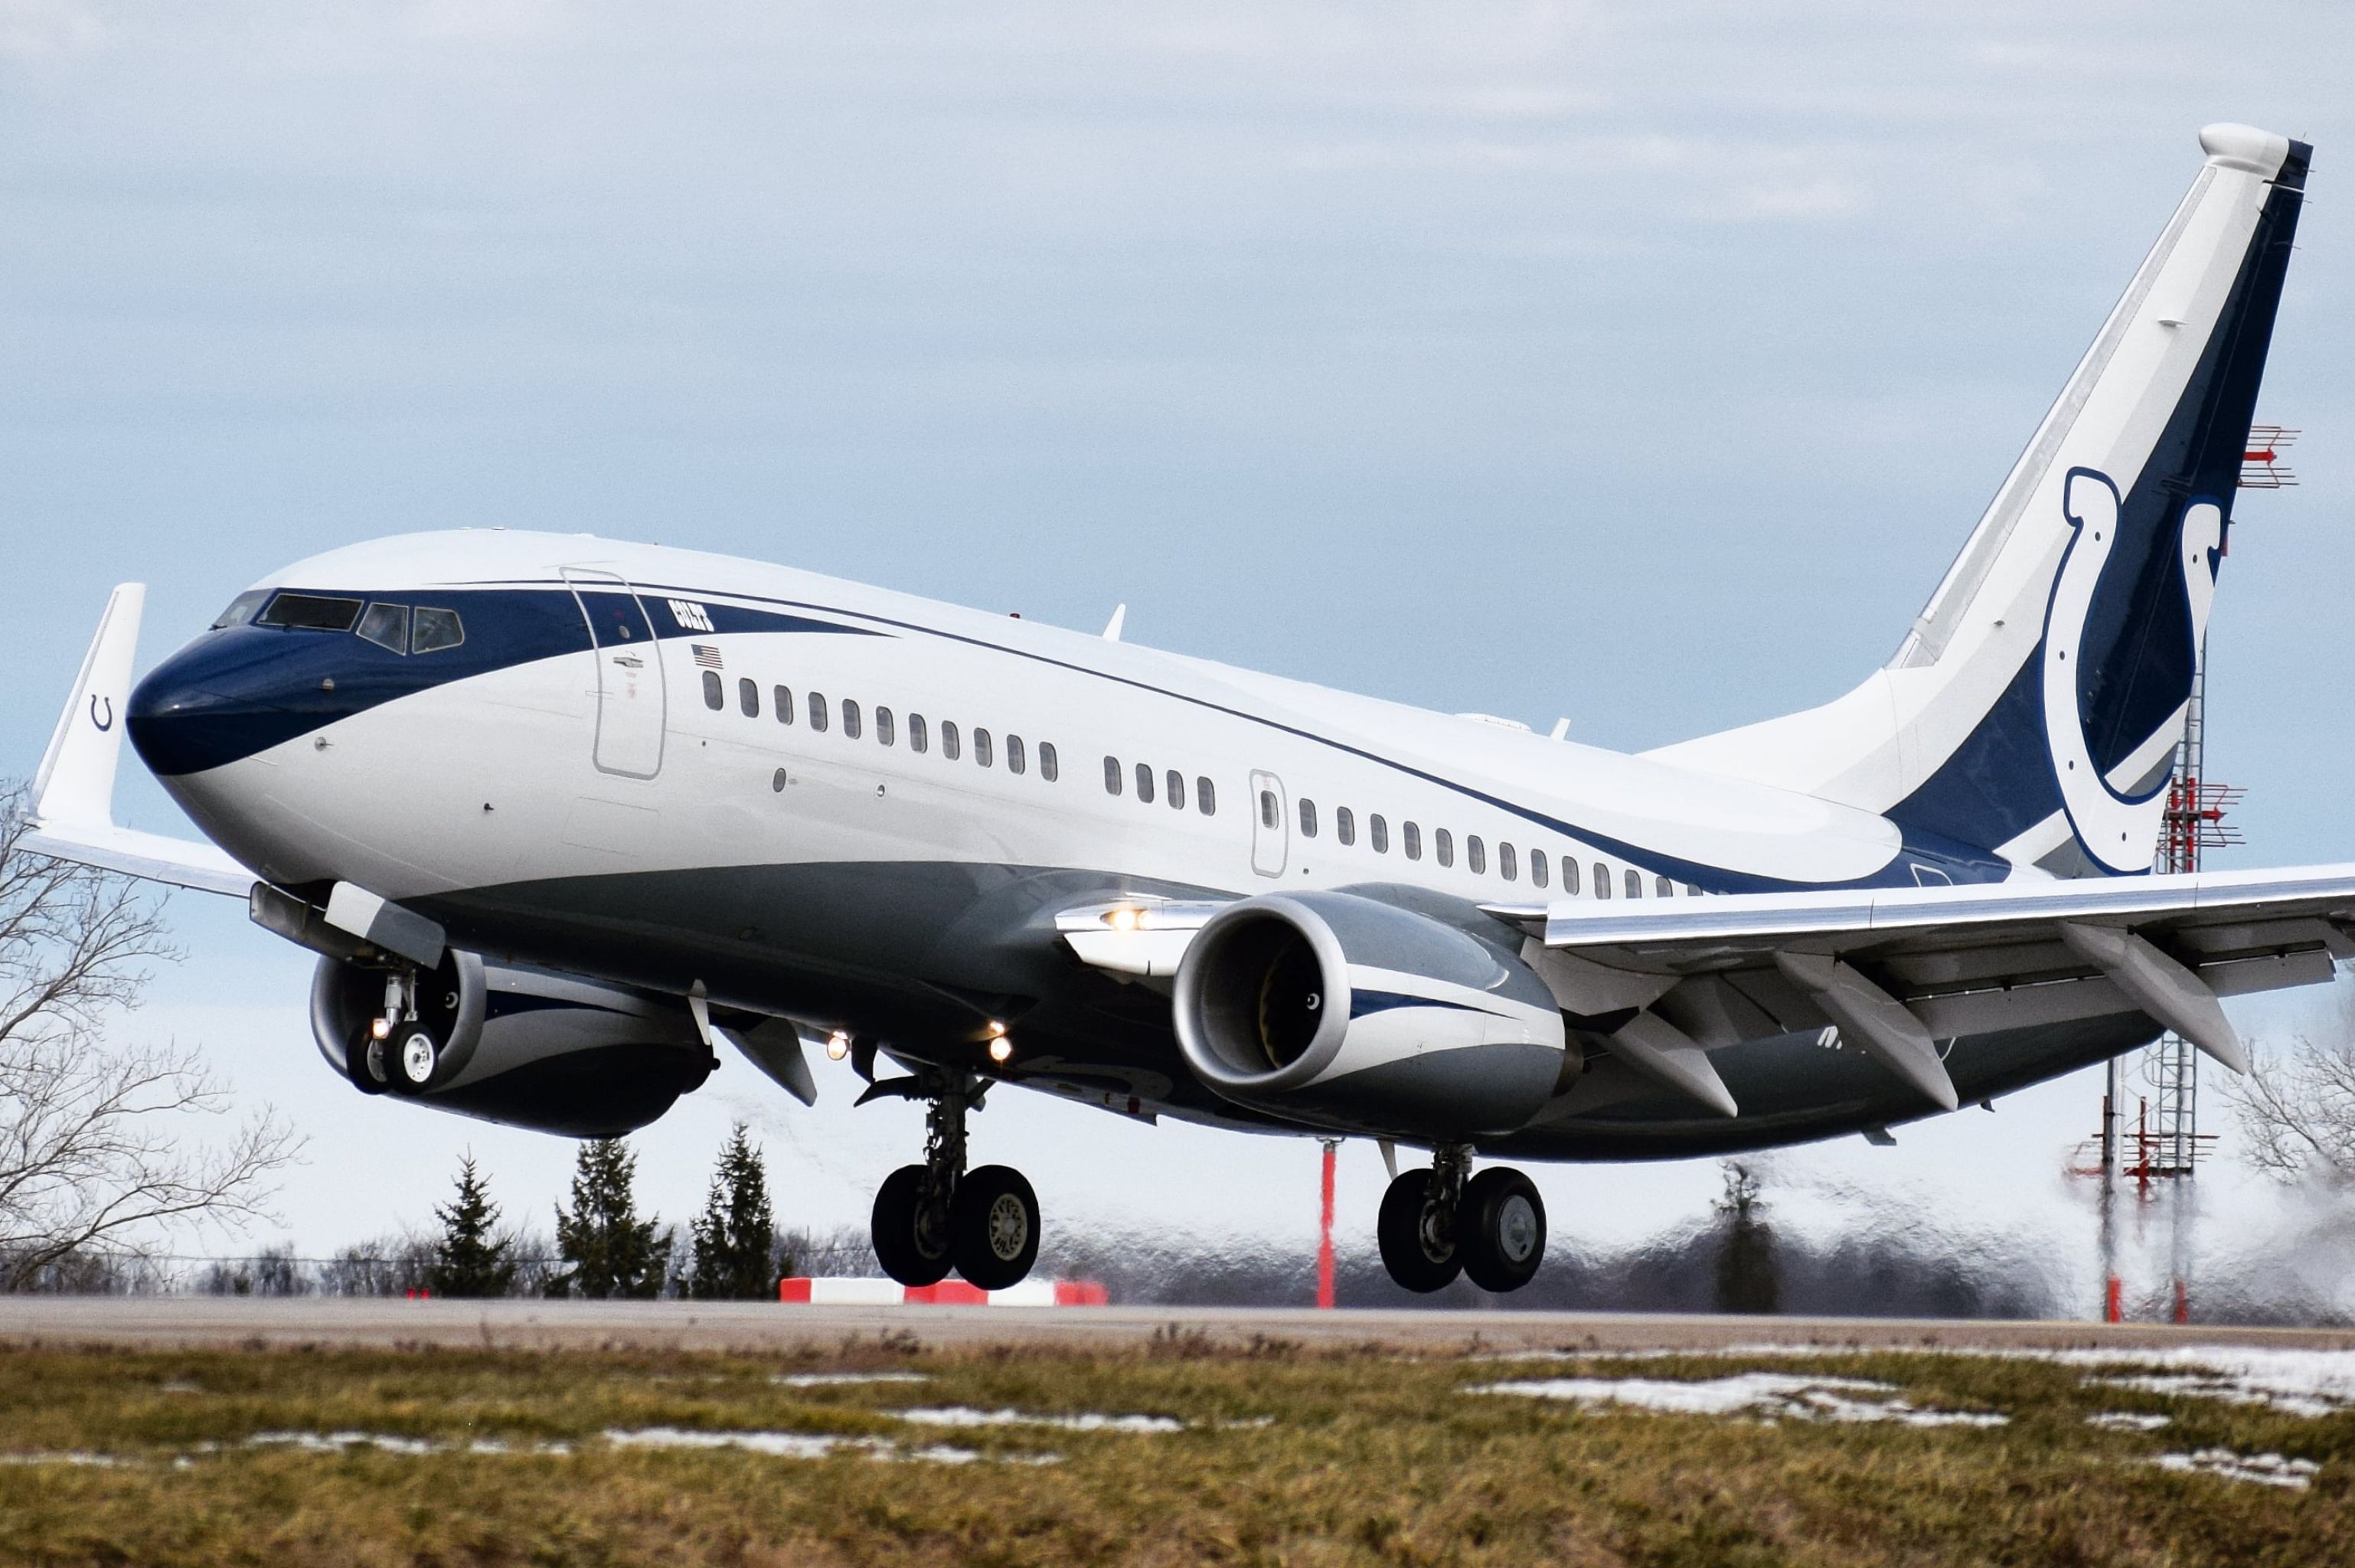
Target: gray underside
921 955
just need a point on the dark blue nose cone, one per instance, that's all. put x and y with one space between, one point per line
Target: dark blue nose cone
234 692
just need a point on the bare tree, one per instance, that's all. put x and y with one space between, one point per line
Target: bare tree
97 1156
2297 1108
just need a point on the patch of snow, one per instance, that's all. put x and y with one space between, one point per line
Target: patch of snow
2311 1383
966 1415
843 1380
1773 1396
2266 1470
812 1445
338 1442
2126 1420
69 1457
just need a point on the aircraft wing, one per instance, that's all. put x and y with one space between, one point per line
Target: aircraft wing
1897 970
73 792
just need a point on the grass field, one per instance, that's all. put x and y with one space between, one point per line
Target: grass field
1267 1454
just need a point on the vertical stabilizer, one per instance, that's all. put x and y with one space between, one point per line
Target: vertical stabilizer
2033 708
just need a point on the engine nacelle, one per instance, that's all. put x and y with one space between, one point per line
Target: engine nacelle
1345 1012
527 1047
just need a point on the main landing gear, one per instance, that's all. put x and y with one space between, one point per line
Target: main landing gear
938 1216
1443 1222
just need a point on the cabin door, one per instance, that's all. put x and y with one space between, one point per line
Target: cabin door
1271 833
629 674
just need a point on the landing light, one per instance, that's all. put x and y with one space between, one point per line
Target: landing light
1001 1050
837 1046
998 1031
381 1028
1123 919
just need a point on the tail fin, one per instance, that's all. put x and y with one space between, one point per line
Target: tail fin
2033 710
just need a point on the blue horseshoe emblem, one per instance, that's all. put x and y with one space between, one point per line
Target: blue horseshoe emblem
107 722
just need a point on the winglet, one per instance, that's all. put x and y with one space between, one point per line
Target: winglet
75 787
1113 626
73 792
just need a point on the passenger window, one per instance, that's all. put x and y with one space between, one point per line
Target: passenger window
748 698
1145 783
950 748
1508 865
1569 876
1307 817
1345 824
310 612
1413 842
434 630
781 697
1377 833
1048 768
1267 808
1443 843
1634 883
1602 881
851 727
1692 890
1206 799
1475 855
715 695
241 608
981 753
919 739
1666 888
1541 867
1175 783
1016 762
387 626
1112 775
886 731
817 712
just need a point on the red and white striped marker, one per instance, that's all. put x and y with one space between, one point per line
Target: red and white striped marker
807 1292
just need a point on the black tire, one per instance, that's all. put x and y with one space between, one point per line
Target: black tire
993 1225
1502 1230
1422 1258
911 1245
412 1057
369 1076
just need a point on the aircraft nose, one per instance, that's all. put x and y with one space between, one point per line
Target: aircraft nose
226 695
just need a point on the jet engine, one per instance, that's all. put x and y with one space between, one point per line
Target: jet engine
1345 1011
527 1047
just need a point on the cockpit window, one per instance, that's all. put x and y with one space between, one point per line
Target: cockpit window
310 612
387 626
435 629
242 608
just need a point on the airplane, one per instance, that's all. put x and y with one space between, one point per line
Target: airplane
562 816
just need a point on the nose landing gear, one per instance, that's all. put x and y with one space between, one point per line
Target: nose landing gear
936 1216
1436 1223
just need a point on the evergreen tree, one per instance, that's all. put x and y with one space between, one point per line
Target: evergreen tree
736 1238
613 1253
469 1260
1746 1274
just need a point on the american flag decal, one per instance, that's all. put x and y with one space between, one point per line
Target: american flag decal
707 656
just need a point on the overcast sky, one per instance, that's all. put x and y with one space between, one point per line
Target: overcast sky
1643 363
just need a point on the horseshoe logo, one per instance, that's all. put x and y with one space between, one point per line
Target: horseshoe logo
2119 831
95 702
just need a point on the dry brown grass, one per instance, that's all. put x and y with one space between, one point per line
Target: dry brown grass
1288 1457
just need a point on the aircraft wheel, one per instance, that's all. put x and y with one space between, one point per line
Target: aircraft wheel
995 1223
911 1236
364 1062
1502 1223
410 1057
1418 1241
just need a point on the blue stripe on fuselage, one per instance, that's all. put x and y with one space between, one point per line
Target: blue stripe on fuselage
239 691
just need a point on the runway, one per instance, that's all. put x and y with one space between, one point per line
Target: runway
154 1322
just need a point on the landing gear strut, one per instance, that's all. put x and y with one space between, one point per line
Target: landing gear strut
1443 1222
936 1216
